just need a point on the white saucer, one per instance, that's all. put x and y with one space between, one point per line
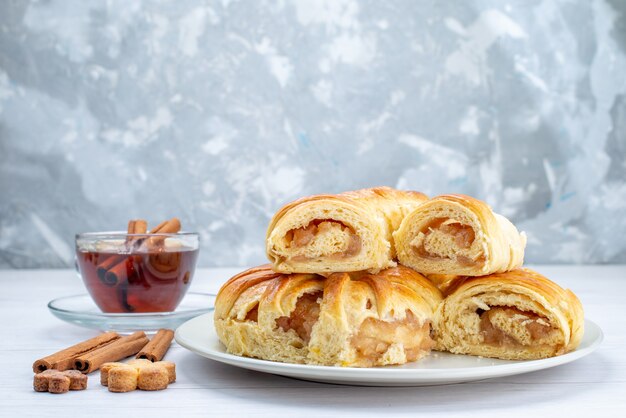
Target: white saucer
198 335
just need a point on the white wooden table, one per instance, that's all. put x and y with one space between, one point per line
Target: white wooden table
593 386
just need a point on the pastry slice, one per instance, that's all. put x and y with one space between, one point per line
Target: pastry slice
350 231
348 319
517 315
458 235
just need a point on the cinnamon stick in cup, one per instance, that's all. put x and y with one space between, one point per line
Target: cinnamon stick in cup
104 267
121 272
164 263
167 227
64 359
117 350
155 350
110 273
137 226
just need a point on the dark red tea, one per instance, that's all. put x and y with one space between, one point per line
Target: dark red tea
150 281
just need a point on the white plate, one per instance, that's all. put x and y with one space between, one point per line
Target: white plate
198 335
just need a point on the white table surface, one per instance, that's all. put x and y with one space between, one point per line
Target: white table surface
593 386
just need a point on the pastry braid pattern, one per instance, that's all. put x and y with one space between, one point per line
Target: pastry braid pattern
350 231
348 319
517 315
458 235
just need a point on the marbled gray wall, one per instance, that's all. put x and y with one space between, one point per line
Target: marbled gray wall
220 111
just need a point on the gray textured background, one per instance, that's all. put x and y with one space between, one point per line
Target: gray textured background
221 111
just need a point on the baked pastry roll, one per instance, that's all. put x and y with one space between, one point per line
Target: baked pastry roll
517 315
443 281
350 231
348 319
458 235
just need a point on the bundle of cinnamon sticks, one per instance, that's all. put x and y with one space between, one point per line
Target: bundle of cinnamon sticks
87 356
112 270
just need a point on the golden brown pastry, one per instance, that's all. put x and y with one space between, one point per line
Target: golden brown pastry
348 319
517 315
442 281
350 231
458 235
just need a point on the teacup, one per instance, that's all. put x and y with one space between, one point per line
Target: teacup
137 273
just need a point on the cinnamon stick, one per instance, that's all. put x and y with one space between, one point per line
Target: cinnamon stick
122 296
164 263
110 273
167 227
137 226
103 267
155 350
117 350
124 270
64 359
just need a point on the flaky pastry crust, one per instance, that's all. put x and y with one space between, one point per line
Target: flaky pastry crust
458 235
350 231
517 315
347 319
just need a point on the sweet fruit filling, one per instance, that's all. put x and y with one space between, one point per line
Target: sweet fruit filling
447 238
323 238
376 336
507 326
253 314
303 317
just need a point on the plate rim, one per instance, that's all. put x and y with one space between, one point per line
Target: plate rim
396 374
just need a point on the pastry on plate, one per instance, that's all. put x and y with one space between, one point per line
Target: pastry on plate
350 231
458 235
442 281
346 319
517 315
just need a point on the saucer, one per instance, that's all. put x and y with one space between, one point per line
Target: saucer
81 310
